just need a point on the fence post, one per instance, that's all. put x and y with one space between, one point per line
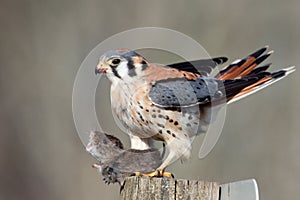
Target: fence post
145 188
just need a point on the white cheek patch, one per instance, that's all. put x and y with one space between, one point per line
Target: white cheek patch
122 69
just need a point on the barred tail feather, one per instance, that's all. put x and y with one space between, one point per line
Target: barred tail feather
244 77
244 66
262 83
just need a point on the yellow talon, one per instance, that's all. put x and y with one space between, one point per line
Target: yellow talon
156 173
137 174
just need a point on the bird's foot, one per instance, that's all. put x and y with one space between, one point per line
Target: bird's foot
156 173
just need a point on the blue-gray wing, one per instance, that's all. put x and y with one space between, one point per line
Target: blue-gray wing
184 93
203 67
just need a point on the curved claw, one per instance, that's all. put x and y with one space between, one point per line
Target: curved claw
156 173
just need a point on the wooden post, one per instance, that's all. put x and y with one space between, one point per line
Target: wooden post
145 188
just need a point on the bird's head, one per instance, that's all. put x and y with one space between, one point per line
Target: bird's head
121 64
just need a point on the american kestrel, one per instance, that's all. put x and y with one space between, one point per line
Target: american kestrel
172 103
116 163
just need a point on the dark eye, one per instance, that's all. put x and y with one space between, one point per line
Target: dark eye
115 61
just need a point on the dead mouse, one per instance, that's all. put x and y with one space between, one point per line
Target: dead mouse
115 162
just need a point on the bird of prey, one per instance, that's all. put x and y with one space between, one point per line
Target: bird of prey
172 103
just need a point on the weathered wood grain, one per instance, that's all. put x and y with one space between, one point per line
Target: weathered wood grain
144 188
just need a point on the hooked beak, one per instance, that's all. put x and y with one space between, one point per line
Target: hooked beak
100 68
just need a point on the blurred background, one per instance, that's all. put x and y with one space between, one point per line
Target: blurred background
42 44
